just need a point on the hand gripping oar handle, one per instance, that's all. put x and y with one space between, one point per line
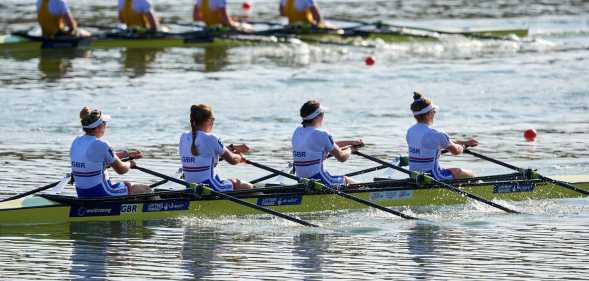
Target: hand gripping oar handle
547 179
228 197
335 191
273 175
448 186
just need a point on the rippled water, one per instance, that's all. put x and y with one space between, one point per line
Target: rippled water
492 90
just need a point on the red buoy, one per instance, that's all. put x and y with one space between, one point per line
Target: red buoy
369 60
530 134
246 6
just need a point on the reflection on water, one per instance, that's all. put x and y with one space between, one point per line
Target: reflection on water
199 251
213 58
54 64
310 247
474 246
421 243
136 61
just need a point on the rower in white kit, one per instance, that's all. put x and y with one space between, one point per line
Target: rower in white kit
91 157
427 143
200 151
311 146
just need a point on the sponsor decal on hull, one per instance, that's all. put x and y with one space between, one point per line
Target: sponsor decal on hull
512 187
164 206
391 195
116 209
95 210
280 200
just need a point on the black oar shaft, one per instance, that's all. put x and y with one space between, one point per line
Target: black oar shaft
31 192
156 184
361 172
261 179
501 163
229 197
266 177
366 171
547 179
448 186
335 191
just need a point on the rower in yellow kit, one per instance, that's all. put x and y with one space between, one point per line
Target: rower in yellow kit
56 20
215 15
138 14
301 12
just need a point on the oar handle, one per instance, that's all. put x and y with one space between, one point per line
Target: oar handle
228 197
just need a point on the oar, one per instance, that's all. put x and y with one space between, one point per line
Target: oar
33 191
448 186
228 197
361 172
334 191
431 30
273 175
269 23
547 179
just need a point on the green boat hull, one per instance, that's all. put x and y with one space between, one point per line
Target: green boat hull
11 43
43 209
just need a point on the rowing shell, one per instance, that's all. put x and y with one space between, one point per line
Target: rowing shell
123 39
20 42
41 209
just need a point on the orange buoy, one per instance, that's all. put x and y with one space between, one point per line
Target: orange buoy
530 134
369 60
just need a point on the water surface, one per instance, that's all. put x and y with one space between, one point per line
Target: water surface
492 90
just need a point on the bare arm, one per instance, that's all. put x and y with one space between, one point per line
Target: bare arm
341 154
316 14
70 22
121 167
457 147
233 158
196 15
227 20
153 22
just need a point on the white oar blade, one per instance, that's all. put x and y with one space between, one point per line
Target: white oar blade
57 189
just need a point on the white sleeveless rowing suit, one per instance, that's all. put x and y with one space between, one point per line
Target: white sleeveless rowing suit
201 168
89 158
310 147
425 147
